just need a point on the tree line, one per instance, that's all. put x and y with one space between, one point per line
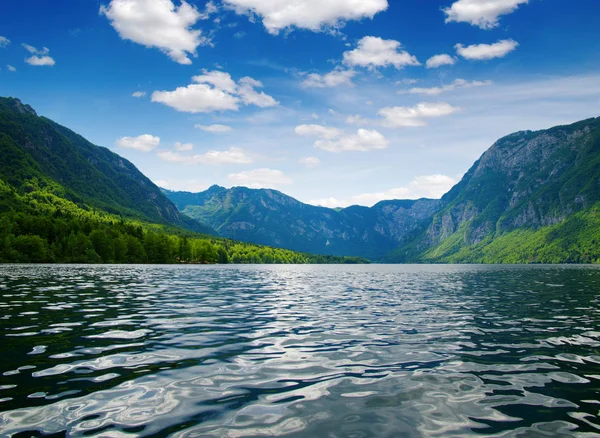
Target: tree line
66 238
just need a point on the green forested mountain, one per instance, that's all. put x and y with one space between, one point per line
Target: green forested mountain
35 148
532 197
62 199
271 218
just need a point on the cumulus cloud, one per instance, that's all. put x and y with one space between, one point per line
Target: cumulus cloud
159 24
335 140
215 129
481 52
309 161
4 41
401 116
212 158
10 68
192 185
248 94
437 61
434 91
260 178
39 57
215 91
138 94
143 143
426 186
318 131
315 15
219 79
332 79
481 13
183 147
373 52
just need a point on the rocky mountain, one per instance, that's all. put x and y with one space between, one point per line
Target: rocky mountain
532 197
36 151
270 217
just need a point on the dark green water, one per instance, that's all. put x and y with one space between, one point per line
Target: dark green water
316 351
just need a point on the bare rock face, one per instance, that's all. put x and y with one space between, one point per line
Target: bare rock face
20 107
525 180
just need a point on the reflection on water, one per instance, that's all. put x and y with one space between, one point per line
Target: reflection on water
320 351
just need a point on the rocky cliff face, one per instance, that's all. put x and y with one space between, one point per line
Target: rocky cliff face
272 218
525 180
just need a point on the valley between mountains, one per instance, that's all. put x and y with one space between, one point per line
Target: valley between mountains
532 197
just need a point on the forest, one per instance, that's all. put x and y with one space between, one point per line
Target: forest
37 226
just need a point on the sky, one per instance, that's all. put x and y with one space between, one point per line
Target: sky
334 102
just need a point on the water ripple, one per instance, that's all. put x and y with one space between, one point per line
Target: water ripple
320 351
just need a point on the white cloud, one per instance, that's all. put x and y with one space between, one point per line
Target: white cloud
329 203
373 52
143 143
487 51
481 13
4 41
197 98
220 79
35 51
40 61
183 147
427 186
335 140
399 116
192 185
215 129
260 178
407 81
364 140
39 57
159 24
309 161
250 96
334 78
318 131
139 94
437 61
458 83
215 91
357 119
11 68
211 158
315 15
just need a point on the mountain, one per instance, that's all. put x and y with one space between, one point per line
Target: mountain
269 217
64 200
37 150
531 197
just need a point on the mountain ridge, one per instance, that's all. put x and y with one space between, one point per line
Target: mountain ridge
36 147
532 184
270 217
528 180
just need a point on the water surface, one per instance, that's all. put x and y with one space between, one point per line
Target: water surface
319 351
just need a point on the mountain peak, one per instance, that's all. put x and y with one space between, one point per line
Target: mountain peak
16 105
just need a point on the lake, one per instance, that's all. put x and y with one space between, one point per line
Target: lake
315 351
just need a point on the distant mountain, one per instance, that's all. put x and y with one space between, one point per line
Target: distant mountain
270 217
36 150
532 197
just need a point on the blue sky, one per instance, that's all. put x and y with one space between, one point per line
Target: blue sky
334 102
